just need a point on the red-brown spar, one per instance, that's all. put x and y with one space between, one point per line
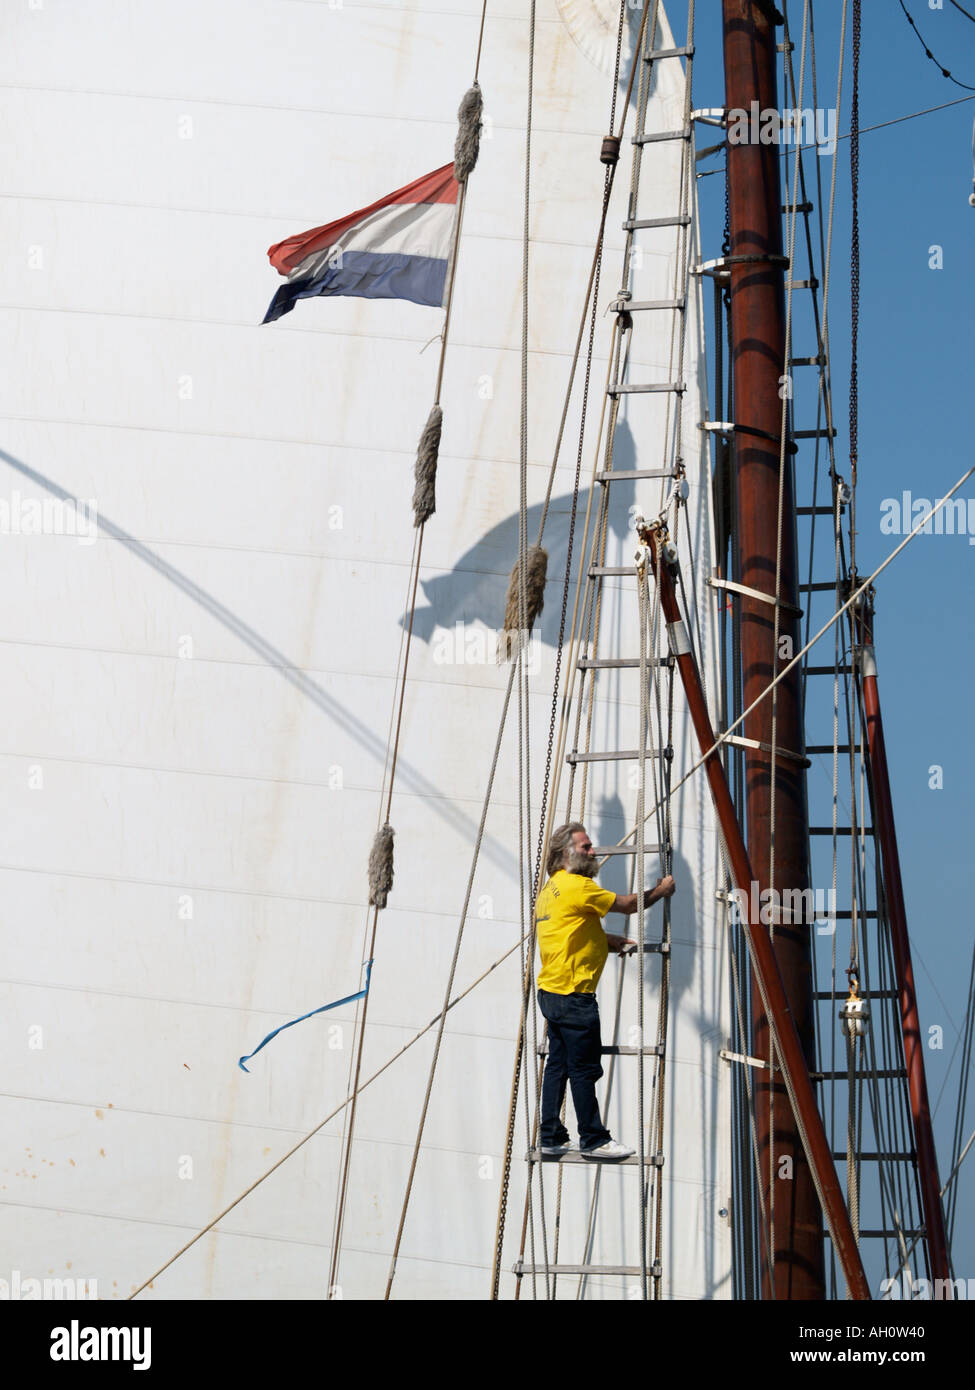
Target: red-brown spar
883 820
764 536
765 967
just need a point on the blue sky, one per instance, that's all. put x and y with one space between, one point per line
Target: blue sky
915 377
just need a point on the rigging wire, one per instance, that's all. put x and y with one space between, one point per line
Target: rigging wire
944 71
723 737
205 1230
966 1067
966 13
867 129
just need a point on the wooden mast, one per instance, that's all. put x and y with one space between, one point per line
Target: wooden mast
758 358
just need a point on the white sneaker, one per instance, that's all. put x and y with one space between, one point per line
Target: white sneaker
610 1150
557 1150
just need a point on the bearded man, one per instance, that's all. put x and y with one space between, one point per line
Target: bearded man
573 947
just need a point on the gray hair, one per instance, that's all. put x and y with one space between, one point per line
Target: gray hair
559 846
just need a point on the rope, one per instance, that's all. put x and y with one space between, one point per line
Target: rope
590 624
824 401
852 1186
950 1179
322 1123
524 739
442 1018
348 1136
400 701
665 838
480 41
593 290
723 737
641 879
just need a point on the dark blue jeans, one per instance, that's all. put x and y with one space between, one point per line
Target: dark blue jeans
574 1047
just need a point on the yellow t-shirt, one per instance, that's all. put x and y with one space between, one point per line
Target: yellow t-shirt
571 940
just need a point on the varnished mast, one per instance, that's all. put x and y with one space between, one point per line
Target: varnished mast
763 545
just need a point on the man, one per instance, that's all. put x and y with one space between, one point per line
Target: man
573 947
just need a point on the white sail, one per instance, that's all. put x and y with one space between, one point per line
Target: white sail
198 703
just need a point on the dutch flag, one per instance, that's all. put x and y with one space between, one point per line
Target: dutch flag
399 248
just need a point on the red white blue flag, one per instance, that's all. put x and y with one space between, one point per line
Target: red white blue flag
399 248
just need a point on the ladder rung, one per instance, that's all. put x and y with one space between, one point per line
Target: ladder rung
619 663
884 1235
623 474
885 1074
521 1269
644 224
626 849
657 1050
829 586
612 571
799 207
818 361
619 388
815 434
758 746
867 994
846 915
841 830
624 306
649 1161
815 511
812 284
828 748
732 586
656 53
662 135
828 670
628 755
877 1158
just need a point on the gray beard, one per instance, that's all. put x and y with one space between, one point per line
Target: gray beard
579 863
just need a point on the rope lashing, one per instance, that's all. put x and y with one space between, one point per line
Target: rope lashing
381 866
336 1003
468 141
536 569
427 453
466 149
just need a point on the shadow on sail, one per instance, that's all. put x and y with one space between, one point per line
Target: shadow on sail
475 589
